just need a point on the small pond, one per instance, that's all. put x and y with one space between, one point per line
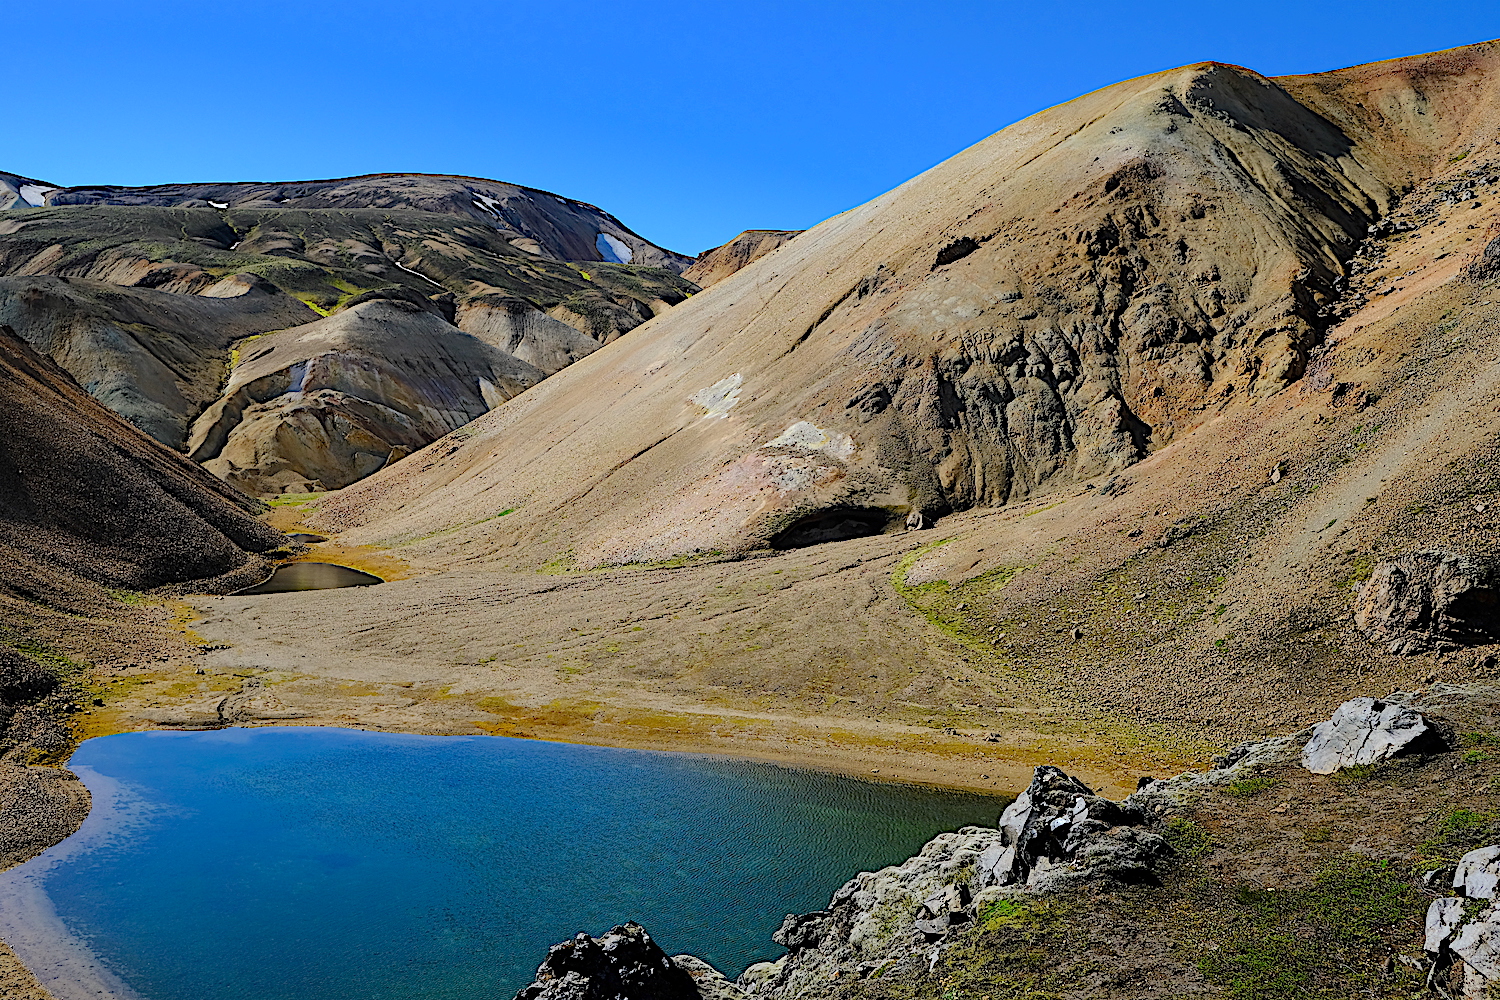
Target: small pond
306 538
280 863
298 576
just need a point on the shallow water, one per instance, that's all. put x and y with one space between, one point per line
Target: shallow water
267 864
300 576
307 538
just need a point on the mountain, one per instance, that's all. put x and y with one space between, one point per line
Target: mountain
143 295
1052 306
535 222
745 249
319 406
23 192
88 502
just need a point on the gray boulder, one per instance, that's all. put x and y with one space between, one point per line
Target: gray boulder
623 964
1430 600
1463 936
1363 731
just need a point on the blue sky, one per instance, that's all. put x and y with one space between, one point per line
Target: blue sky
688 121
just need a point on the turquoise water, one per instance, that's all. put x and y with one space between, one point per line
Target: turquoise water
262 864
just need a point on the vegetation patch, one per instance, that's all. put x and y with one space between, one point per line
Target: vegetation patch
1326 941
1250 787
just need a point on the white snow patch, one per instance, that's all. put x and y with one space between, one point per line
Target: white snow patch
718 399
221 205
804 436
409 271
35 195
613 250
485 203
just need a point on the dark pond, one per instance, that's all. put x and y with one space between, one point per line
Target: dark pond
312 576
290 863
305 538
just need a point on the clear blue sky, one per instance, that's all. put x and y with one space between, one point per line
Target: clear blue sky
690 121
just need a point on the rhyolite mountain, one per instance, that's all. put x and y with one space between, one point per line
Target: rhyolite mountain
1056 304
143 294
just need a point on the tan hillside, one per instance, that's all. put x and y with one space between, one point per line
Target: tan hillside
742 251
1053 305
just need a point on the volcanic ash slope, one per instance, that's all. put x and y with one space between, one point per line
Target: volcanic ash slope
1052 305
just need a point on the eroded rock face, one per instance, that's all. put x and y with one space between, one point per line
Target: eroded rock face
623 964
1363 731
1430 600
1463 935
319 406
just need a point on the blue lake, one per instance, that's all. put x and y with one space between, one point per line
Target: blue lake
262 864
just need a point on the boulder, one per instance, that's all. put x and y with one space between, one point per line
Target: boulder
712 984
622 964
1463 933
1430 600
1363 731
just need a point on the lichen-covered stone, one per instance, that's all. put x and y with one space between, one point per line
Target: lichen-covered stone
1362 731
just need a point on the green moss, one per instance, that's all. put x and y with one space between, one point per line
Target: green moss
1188 840
294 499
939 601
1250 787
1326 941
1459 832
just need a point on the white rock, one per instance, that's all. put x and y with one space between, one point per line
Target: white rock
1362 731
1478 874
1443 917
1477 943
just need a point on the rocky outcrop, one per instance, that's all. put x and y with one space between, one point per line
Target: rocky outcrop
320 406
745 249
623 964
1430 600
1463 930
1364 731
1055 836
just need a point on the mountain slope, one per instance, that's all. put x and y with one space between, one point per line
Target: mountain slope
88 502
153 357
536 222
1054 304
319 406
740 252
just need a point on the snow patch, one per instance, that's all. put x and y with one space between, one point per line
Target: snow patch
35 195
485 203
221 205
410 271
718 399
613 250
804 436
298 374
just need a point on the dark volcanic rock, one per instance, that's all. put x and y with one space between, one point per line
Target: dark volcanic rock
1430 600
623 964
